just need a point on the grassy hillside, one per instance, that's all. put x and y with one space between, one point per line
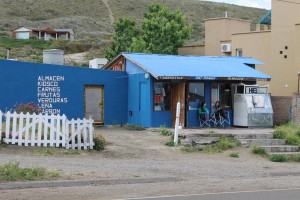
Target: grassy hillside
91 19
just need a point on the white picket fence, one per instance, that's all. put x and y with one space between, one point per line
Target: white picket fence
46 130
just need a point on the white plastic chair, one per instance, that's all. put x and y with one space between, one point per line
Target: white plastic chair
204 122
216 120
224 121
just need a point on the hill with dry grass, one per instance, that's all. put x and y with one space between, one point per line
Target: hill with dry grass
92 20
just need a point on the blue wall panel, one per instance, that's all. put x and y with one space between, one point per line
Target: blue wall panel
193 118
132 68
207 94
161 118
139 101
20 82
133 99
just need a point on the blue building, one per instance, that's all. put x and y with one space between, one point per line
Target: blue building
157 82
141 89
74 91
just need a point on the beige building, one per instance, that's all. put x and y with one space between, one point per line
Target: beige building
276 42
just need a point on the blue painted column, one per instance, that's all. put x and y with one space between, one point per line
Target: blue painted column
207 94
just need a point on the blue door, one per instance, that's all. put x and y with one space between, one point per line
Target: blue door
143 118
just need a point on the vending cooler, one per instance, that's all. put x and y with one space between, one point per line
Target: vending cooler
252 106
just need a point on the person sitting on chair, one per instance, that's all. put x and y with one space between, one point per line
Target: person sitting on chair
203 111
219 111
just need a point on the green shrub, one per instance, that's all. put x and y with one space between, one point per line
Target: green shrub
71 152
258 150
282 131
295 158
49 151
234 154
223 144
170 143
292 139
280 134
189 149
164 131
100 142
211 149
133 127
13 172
278 158
297 132
227 143
10 43
211 131
290 132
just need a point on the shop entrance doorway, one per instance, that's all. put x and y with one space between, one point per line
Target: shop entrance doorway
94 103
178 95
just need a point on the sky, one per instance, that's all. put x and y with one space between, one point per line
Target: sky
266 4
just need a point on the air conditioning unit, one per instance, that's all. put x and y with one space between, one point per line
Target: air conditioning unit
225 48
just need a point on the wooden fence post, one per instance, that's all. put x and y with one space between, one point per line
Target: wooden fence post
46 130
33 128
7 128
27 129
84 133
73 133
78 134
91 136
58 128
67 134
52 130
64 131
40 120
21 119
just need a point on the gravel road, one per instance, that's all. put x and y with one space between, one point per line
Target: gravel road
138 164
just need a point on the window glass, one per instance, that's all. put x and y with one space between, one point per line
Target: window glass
239 52
262 90
221 92
195 95
240 89
161 96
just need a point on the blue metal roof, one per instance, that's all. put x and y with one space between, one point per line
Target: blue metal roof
197 67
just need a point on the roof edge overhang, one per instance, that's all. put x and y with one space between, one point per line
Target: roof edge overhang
123 55
211 78
227 18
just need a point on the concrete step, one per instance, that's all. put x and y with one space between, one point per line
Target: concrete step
254 136
260 142
281 148
284 153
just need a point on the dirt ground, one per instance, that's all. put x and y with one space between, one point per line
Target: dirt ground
138 164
